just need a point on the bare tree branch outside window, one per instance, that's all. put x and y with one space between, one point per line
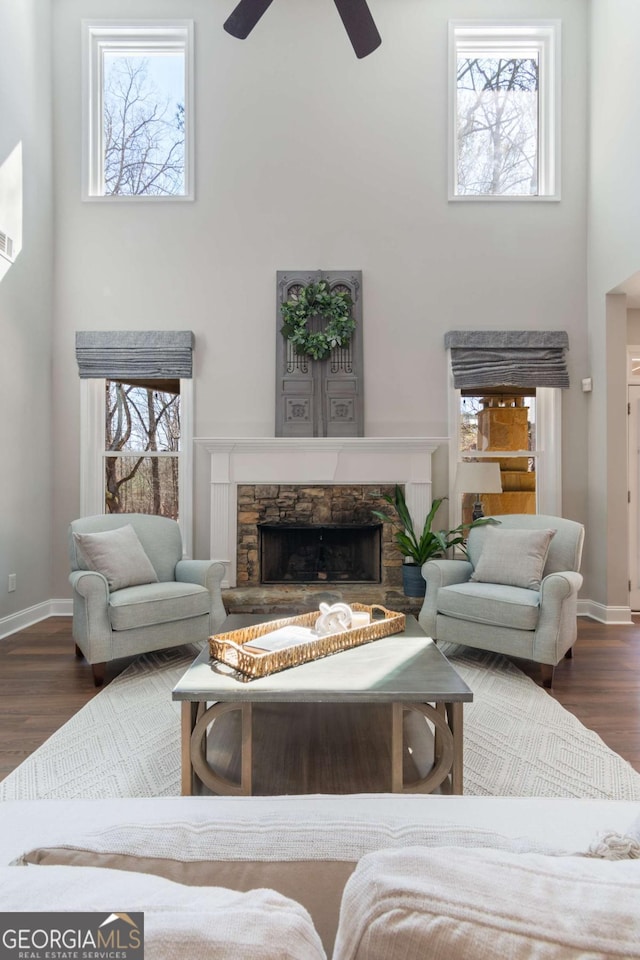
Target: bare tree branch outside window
144 131
497 135
143 428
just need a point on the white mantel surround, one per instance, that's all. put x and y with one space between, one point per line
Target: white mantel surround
318 460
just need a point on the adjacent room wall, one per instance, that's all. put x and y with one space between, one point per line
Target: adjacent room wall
25 307
309 158
633 327
614 256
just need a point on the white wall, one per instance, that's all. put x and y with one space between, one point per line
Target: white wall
614 256
25 304
309 158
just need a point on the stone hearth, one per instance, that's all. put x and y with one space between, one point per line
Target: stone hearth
288 601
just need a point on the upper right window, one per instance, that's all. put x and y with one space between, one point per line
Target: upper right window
505 84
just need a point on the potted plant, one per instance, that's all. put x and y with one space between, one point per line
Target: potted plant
428 545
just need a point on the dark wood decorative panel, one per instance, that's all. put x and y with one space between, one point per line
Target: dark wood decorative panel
320 398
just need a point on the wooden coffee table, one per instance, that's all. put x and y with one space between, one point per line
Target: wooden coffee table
378 682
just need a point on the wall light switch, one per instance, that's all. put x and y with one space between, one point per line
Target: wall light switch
11 585
587 385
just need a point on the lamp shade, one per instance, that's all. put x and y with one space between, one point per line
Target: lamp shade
477 477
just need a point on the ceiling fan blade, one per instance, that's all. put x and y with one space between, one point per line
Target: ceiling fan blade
359 25
245 16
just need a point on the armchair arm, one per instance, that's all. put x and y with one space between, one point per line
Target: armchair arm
91 623
557 624
90 585
209 574
560 586
440 573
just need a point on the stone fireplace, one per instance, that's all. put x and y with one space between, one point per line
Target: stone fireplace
319 553
314 534
318 481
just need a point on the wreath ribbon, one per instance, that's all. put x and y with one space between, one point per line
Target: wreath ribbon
316 300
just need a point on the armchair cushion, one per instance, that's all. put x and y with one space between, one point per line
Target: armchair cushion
118 555
514 557
153 603
491 603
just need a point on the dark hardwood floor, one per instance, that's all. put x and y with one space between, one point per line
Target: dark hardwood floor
42 684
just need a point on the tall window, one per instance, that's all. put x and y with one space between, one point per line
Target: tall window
505 109
142 448
138 110
499 425
522 430
143 467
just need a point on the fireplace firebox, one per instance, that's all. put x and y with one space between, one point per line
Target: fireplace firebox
320 553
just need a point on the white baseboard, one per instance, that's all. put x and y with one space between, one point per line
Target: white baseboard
26 618
61 608
64 608
601 613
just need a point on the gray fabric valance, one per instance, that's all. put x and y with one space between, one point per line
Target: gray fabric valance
514 358
118 354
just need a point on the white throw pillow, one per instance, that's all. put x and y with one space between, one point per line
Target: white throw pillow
199 923
472 904
118 555
515 558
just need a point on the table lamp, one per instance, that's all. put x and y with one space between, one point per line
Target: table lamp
477 477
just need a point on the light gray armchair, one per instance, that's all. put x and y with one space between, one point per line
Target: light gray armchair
533 624
183 605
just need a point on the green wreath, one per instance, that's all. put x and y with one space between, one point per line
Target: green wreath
316 300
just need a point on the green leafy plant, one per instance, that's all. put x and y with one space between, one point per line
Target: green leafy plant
316 300
430 543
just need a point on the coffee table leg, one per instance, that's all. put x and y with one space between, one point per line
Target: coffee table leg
247 744
447 767
454 711
189 715
440 708
202 772
397 746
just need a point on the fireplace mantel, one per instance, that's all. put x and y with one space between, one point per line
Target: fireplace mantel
320 460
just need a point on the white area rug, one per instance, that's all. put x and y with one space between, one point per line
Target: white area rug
518 740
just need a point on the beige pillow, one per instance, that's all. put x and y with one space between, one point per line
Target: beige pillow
205 923
118 555
473 904
513 557
316 885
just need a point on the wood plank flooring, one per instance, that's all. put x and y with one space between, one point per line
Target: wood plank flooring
42 684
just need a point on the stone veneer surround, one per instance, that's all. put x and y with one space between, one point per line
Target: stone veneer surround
318 461
314 505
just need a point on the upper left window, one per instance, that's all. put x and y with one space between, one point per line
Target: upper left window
138 109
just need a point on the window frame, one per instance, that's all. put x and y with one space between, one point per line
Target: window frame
545 36
92 453
548 452
122 34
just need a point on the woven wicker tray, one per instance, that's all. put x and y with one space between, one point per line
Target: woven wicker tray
228 648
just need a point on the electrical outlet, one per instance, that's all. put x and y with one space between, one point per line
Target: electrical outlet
12 583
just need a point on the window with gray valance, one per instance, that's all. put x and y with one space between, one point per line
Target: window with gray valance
518 358
135 354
